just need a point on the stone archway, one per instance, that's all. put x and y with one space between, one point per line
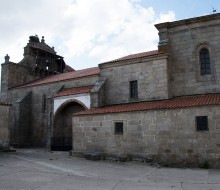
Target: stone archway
62 130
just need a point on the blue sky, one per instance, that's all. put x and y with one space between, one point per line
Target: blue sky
183 9
88 32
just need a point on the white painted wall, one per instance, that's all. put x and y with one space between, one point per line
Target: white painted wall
84 98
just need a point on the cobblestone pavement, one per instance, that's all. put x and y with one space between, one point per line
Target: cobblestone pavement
37 169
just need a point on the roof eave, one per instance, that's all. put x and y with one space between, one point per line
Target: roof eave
134 60
188 21
21 86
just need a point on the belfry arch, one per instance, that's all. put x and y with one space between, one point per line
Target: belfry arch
62 126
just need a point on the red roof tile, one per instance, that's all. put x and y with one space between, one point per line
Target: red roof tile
178 102
72 91
137 55
63 76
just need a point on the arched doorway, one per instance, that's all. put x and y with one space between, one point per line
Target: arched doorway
62 130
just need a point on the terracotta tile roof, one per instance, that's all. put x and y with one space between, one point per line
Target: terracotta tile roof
137 55
72 91
178 102
62 77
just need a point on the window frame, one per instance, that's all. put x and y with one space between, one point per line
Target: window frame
204 60
202 123
118 124
44 103
134 89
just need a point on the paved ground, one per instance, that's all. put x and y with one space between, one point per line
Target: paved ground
43 170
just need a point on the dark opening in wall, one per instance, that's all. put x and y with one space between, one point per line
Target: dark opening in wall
202 123
205 61
44 103
118 128
134 89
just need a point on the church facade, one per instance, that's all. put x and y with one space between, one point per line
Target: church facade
162 105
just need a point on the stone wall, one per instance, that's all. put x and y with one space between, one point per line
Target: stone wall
22 131
166 136
4 126
15 74
98 94
150 73
184 41
41 116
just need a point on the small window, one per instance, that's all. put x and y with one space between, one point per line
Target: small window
205 61
202 123
44 103
118 128
134 89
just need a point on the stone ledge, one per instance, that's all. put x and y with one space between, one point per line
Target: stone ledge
77 154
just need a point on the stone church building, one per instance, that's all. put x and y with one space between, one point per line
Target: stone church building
4 126
162 105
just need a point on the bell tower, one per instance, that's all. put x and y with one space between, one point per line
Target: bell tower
41 58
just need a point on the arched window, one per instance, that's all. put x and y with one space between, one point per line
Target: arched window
205 61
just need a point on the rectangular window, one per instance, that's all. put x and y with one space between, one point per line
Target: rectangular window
134 89
118 128
202 123
205 61
43 103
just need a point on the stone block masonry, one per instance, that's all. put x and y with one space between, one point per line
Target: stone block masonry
4 126
151 74
185 39
38 132
169 137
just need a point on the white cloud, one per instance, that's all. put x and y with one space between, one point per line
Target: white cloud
100 29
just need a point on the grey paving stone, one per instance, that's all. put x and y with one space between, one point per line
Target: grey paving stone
43 170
